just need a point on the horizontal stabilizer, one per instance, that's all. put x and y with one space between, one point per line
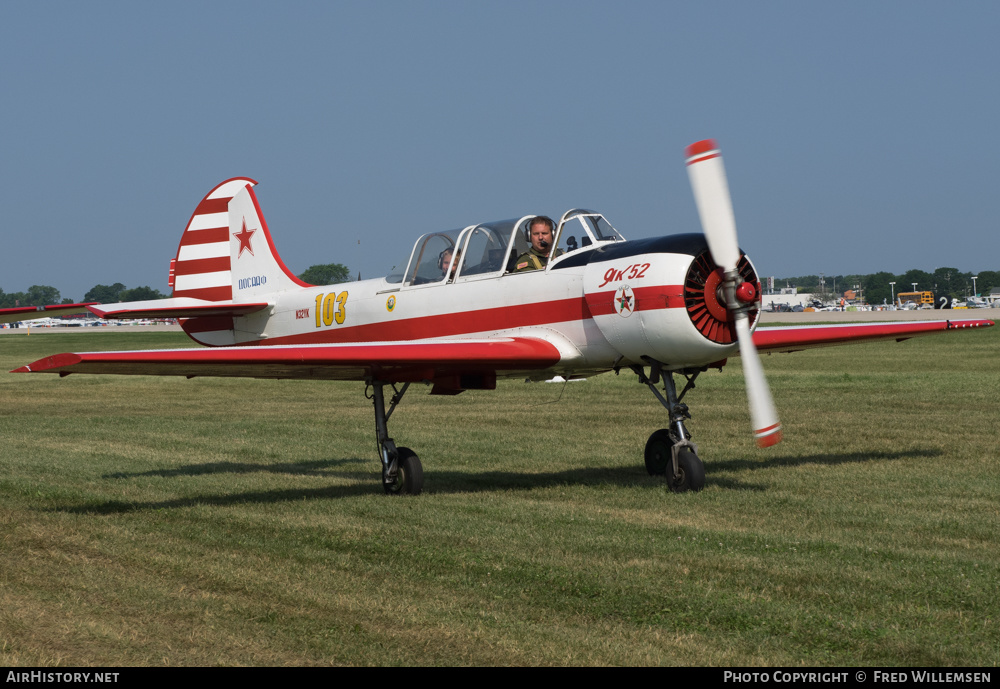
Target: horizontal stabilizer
176 307
794 338
27 313
418 360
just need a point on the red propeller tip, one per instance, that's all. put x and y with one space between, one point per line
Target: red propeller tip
766 437
699 147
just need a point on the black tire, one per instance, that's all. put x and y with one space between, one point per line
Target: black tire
657 453
409 474
691 474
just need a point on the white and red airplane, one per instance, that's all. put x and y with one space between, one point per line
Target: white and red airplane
457 315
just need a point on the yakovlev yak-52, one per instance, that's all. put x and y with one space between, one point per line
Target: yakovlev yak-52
525 298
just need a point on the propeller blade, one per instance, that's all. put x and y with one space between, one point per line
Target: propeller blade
763 415
711 196
715 208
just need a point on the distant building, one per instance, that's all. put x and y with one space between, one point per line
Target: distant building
791 298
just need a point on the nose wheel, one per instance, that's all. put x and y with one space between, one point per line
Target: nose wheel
687 473
669 451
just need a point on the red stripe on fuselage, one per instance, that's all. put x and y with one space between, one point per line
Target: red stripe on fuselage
446 325
464 323
646 299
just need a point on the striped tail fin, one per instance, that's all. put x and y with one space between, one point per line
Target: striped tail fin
226 256
226 252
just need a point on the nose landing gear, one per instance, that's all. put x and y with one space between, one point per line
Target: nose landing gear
669 451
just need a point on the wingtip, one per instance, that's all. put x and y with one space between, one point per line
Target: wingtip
49 363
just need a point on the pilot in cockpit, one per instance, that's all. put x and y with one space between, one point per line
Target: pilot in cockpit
540 231
445 259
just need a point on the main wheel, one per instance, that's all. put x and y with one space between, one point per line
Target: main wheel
409 474
657 452
690 472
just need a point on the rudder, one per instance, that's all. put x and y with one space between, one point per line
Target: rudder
257 269
226 252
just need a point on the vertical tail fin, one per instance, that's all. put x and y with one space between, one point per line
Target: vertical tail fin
256 268
202 267
226 252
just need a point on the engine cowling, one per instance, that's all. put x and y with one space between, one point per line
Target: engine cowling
662 298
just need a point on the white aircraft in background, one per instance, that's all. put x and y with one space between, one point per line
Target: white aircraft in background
43 314
459 315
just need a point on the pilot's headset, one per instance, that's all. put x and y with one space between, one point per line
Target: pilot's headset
441 265
543 218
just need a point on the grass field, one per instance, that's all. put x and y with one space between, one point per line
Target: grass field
160 521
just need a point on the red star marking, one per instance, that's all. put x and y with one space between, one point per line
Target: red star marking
244 237
625 302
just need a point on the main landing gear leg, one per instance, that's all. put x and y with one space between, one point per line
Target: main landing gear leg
401 469
669 451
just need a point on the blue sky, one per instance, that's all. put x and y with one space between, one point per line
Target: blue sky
858 136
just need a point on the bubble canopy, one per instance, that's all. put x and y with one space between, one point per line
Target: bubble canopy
490 249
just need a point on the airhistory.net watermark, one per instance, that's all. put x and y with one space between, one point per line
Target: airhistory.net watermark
61 677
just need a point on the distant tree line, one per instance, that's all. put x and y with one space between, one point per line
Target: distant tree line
110 294
37 295
946 282
43 295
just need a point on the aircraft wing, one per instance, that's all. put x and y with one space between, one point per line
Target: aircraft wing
794 338
175 307
448 363
182 307
27 313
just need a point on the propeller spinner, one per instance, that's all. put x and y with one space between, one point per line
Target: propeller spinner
711 195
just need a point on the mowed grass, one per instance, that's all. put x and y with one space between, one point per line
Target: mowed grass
161 521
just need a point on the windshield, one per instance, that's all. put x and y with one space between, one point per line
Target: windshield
485 250
396 274
432 255
582 228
